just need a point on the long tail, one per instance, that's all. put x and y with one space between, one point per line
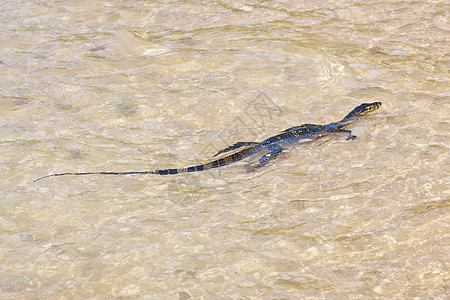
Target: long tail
214 164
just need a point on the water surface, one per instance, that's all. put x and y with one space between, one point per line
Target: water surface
142 85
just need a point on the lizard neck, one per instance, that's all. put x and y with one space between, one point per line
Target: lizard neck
338 125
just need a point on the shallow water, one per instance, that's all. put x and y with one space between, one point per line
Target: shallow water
143 85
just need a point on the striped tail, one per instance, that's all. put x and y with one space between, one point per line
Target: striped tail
211 165
214 164
95 173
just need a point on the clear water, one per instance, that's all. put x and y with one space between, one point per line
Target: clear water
143 85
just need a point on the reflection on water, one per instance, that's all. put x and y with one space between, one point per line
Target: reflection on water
142 85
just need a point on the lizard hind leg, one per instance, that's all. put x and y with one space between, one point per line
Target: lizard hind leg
235 146
266 158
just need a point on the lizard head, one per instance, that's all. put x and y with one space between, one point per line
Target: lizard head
363 109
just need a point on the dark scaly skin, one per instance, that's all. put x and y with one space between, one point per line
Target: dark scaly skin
273 144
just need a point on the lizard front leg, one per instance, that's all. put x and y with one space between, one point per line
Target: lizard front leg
350 136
